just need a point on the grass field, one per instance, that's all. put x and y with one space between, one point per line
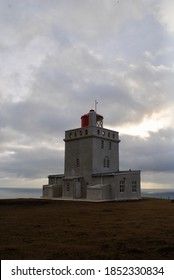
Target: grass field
48 229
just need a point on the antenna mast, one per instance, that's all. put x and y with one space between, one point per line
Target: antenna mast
96 102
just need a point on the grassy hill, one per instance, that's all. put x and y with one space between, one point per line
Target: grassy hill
48 229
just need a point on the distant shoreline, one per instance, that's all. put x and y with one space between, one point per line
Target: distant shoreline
13 192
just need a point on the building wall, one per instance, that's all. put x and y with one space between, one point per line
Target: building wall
91 150
78 157
94 193
50 191
105 155
127 185
124 185
118 186
74 188
55 179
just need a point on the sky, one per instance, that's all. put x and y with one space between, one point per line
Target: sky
58 56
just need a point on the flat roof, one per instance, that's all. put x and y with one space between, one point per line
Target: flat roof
56 175
116 173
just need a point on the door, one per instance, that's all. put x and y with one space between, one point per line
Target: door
78 190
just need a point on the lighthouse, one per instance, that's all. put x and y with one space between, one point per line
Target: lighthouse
91 166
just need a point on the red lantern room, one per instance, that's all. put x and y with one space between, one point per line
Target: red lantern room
84 120
92 119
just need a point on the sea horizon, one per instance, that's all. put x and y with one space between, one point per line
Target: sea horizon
20 192
35 192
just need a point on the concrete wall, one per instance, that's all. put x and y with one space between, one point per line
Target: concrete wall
127 180
90 146
50 191
94 193
103 187
78 150
57 191
105 150
74 188
107 192
47 191
114 180
55 179
99 192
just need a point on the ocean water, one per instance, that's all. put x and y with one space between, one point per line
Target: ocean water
158 193
20 193
37 192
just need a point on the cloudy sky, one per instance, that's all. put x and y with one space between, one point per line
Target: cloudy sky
58 56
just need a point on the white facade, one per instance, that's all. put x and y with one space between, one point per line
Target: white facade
91 170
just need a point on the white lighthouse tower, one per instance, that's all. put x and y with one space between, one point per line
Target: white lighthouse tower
91 169
91 149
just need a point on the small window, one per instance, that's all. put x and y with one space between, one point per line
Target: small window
98 132
110 145
67 187
70 135
81 133
77 162
86 132
75 134
122 186
103 132
102 144
106 162
108 134
134 186
51 181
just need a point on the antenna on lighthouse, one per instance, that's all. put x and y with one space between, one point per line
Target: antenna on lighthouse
96 102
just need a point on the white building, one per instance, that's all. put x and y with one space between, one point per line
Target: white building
92 166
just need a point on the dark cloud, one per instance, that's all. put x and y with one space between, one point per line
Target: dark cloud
154 153
32 163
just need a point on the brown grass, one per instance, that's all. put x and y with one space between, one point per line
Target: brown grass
45 229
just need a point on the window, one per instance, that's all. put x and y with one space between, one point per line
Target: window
102 144
99 123
98 132
134 186
113 135
108 134
51 181
110 145
122 186
86 132
106 162
77 162
67 187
